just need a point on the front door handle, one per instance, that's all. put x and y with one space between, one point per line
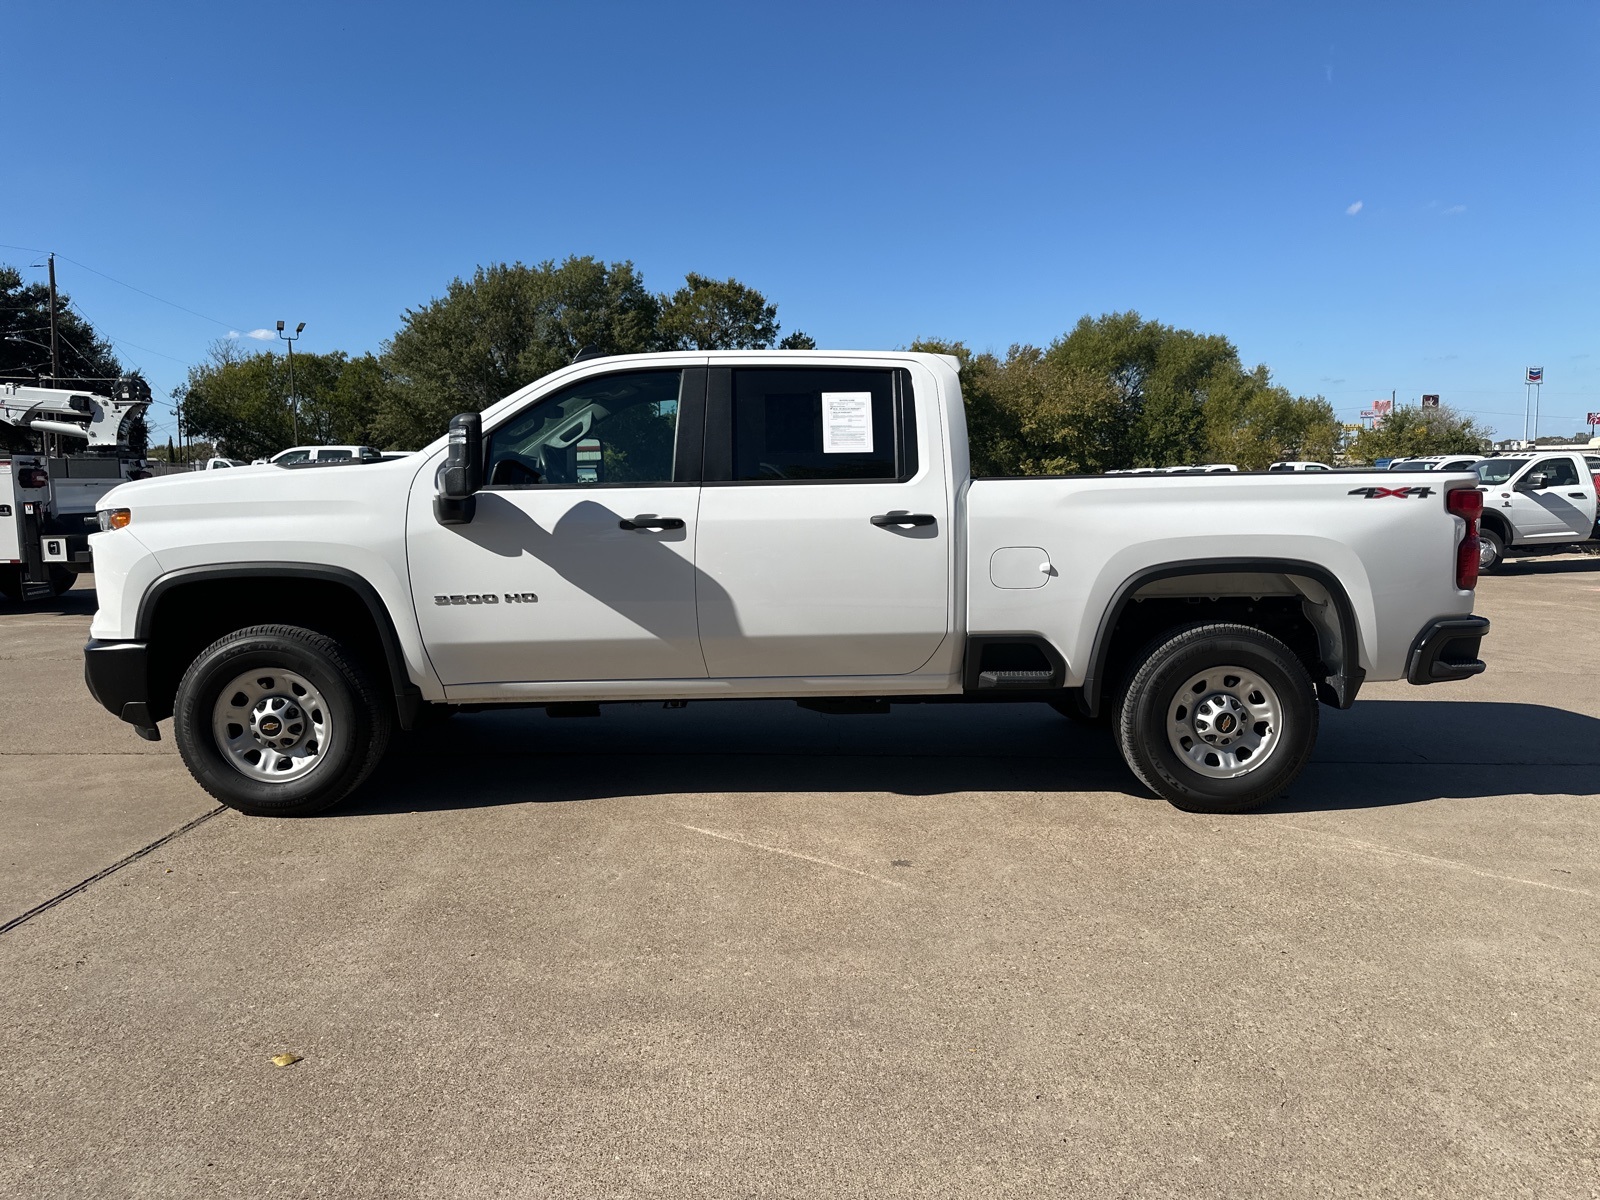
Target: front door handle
650 521
904 518
1579 495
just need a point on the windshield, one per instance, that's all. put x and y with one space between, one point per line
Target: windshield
1498 470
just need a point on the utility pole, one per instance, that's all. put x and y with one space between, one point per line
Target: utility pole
55 353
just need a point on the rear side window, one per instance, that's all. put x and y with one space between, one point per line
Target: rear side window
333 455
816 423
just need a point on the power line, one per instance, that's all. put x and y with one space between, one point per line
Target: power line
121 283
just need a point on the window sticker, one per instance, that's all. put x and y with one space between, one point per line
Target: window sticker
847 422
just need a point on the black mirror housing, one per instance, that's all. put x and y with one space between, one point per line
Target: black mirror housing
461 474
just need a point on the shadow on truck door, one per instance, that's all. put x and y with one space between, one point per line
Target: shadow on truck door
1382 752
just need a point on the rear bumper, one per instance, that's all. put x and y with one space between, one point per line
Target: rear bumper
1447 649
118 676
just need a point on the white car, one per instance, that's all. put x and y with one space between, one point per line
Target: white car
221 464
322 454
1536 501
742 524
1437 462
1297 465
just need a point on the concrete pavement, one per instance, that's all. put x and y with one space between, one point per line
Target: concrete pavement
743 949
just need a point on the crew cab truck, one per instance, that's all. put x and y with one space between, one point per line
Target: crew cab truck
1533 502
703 526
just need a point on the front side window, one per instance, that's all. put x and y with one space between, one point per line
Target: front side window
292 456
813 424
1557 472
609 429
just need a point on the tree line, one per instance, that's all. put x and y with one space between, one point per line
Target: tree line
1114 391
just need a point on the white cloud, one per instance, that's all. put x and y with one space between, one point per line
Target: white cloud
1454 209
1354 209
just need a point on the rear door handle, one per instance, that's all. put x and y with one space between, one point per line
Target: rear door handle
904 518
650 521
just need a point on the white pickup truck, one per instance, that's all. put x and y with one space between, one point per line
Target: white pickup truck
1537 501
709 526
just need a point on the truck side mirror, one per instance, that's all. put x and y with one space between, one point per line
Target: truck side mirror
1531 483
461 474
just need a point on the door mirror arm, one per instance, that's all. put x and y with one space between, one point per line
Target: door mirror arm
461 474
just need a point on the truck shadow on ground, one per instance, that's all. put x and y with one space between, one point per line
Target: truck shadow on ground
80 602
1382 752
1588 564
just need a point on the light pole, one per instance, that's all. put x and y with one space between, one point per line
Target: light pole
294 401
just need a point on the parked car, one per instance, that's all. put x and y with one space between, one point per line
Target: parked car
1297 465
221 464
739 524
1534 502
322 454
1436 462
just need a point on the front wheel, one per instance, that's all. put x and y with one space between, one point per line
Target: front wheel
279 721
1217 718
1491 551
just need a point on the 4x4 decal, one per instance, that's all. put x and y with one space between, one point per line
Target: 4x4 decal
1378 493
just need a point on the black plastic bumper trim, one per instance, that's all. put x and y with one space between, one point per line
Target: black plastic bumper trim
1447 649
118 676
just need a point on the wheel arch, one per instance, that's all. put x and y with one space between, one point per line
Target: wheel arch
178 616
1337 688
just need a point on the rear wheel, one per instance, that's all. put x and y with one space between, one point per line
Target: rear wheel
275 720
1217 718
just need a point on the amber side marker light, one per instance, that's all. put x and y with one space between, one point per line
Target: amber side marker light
113 518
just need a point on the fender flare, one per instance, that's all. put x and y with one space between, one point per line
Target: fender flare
407 696
1339 690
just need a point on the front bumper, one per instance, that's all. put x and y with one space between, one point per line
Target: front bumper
118 676
1447 649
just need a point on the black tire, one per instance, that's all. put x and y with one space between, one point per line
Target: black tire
1152 696
358 720
1491 551
61 580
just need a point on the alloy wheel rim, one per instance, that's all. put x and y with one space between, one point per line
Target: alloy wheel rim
1225 722
272 725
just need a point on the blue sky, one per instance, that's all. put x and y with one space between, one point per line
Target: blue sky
1363 197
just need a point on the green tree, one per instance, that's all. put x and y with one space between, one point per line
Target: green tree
798 340
1410 432
499 331
25 335
717 314
242 401
1162 378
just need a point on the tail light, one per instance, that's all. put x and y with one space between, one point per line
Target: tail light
32 477
1466 503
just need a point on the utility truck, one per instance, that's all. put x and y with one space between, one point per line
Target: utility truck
48 500
712 526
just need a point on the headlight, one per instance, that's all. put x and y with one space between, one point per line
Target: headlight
113 518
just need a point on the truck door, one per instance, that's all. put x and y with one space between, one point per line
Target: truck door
1562 509
825 542
579 561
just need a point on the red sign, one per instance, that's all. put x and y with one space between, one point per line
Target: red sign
1430 401
1382 406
